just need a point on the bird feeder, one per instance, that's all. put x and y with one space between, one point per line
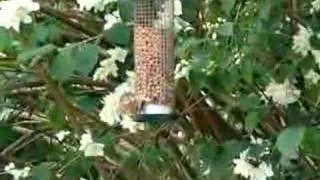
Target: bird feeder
154 57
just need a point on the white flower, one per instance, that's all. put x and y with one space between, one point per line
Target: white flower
110 112
97 5
118 54
9 167
100 5
2 55
315 6
86 5
89 147
111 19
257 140
262 172
283 94
177 7
62 134
214 36
128 123
312 76
5 113
109 66
244 168
301 43
180 24
14 12
17 173
206 172
182 70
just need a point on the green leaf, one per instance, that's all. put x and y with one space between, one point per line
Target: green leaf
5 39
315 42
226 29
119 34
77 166
289 140
218 158
265 9
62 65
88 103
126 9
7 135
229 79
80 59
190 10
247 70
196 79
250 103
42 172
44 32
251 121
227 5
27 56
85 58
56 116
310 143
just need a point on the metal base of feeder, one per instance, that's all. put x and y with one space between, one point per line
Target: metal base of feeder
157 118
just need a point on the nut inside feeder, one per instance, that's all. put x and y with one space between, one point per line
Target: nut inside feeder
154 58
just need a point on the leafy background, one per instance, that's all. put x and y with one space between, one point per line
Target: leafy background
46 79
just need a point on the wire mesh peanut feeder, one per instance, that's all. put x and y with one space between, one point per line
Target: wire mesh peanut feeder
154 58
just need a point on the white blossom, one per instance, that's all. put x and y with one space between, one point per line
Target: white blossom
177 7
89 147
86 5
118 54
110 112
315 6
312 76
244 168
301 43
111 19
5 113
17 173
2 55
61 135
214 36
256 140
97 5
283 94
181 25
14 12
108 66
182 70
262 172
128 123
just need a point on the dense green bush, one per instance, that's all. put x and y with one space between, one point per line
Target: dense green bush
247 92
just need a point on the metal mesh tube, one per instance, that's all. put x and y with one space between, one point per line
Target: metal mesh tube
153 46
